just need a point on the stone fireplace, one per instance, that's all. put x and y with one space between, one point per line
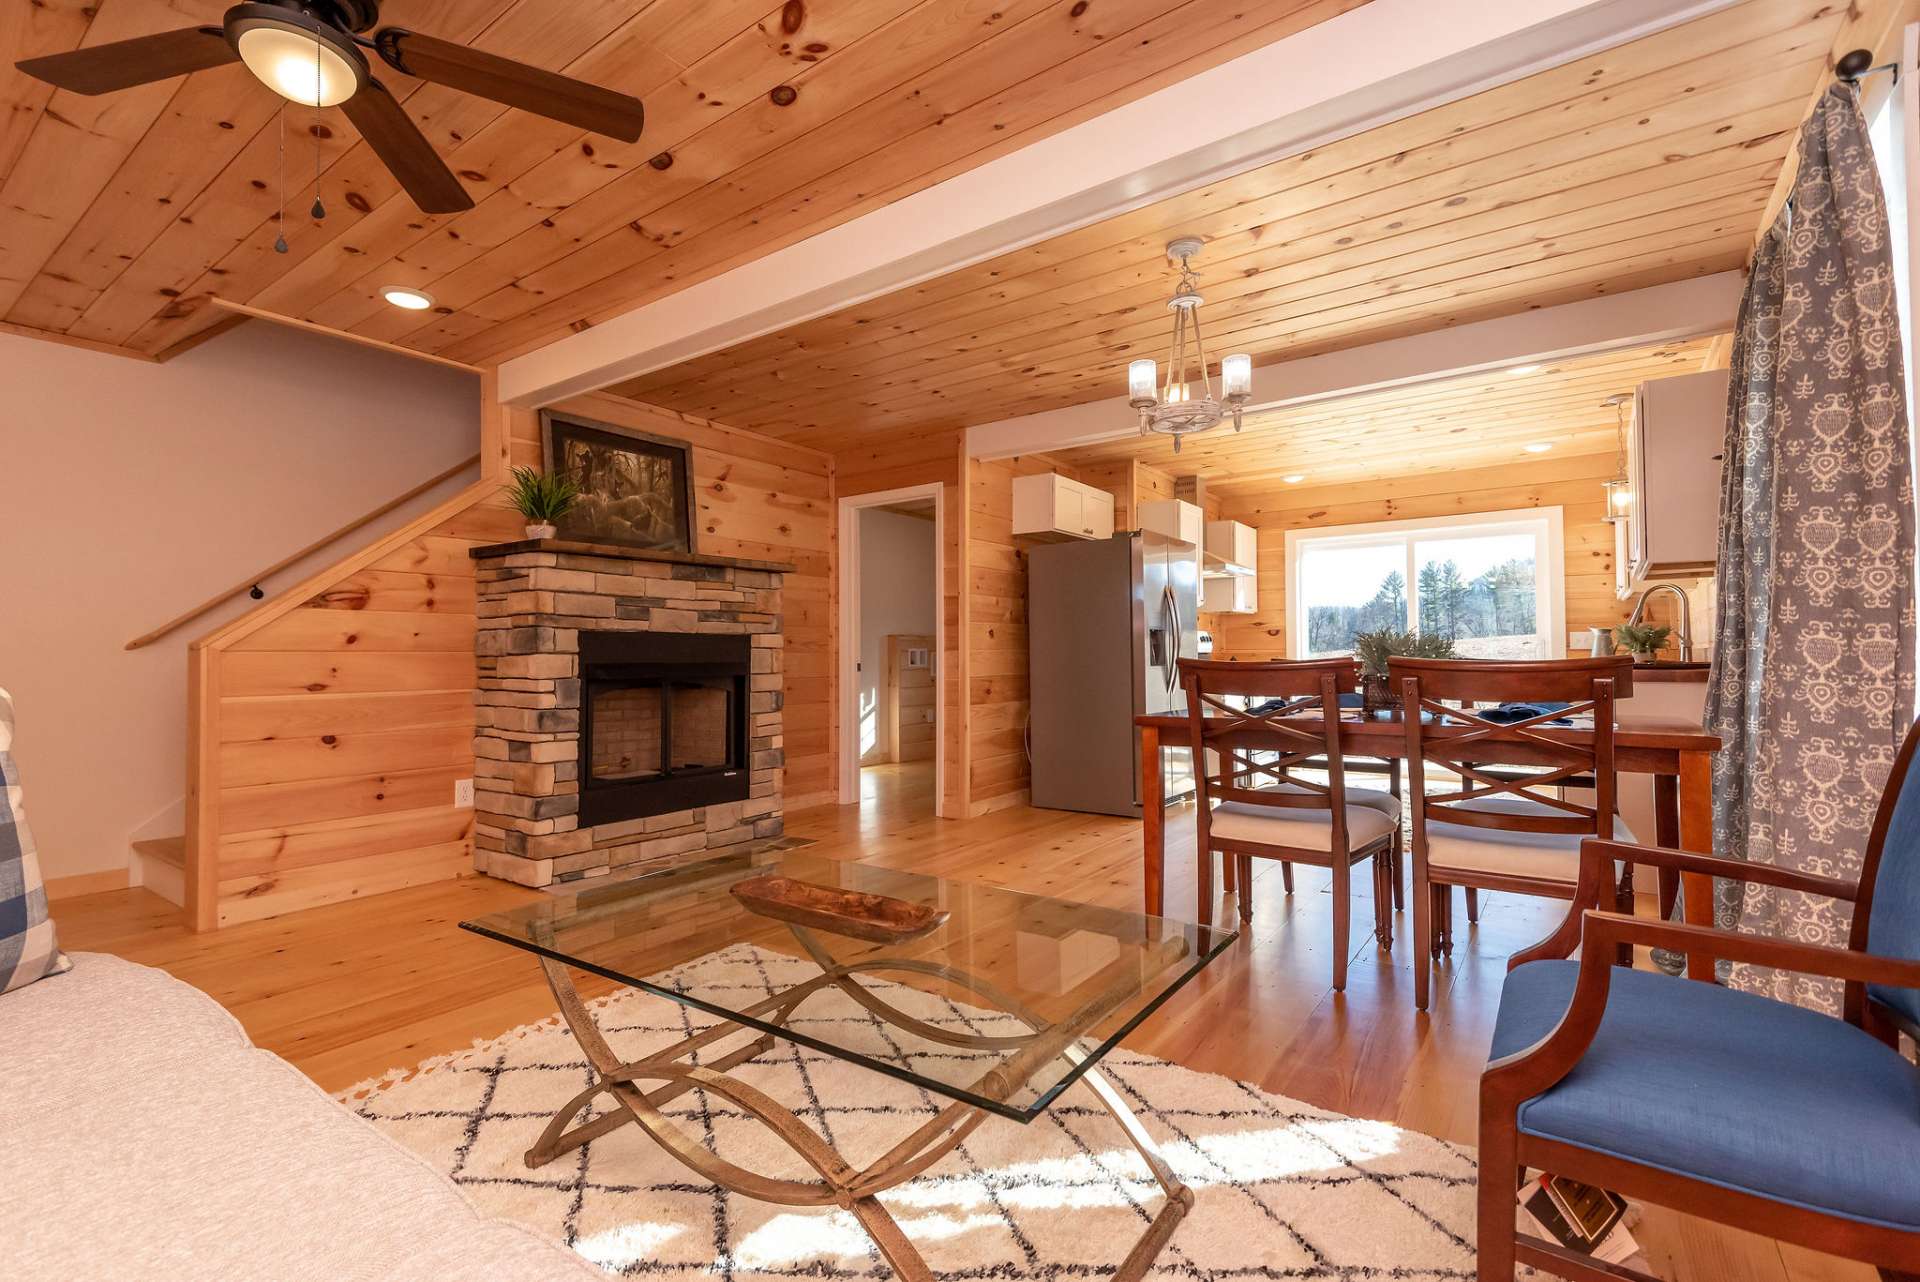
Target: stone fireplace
629 708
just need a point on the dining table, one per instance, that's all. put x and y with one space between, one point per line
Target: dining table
1677 753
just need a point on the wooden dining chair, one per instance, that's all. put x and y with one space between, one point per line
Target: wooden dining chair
1501 828
1253 805
1783 1121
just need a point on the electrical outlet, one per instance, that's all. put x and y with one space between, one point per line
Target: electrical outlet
463 793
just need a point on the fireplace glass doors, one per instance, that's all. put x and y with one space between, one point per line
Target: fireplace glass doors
663 723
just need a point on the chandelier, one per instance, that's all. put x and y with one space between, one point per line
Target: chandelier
1185 403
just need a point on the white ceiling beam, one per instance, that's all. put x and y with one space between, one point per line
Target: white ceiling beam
1697 308
1380 62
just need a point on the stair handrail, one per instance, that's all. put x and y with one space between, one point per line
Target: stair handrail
253 582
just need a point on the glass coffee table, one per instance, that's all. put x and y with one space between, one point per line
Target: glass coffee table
1040 990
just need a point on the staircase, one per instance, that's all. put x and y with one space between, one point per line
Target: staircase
163 867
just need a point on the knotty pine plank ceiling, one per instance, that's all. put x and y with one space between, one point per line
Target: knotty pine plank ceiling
121 215
1647 163
1475 421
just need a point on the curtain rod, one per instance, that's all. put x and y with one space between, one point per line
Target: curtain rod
1859 63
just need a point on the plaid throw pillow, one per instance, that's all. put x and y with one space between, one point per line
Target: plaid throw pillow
28 950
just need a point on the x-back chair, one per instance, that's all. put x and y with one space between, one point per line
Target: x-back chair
1502 829
1718 1103
1253 806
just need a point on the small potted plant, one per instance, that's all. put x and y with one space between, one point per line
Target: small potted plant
1642 640
542 497
1374 648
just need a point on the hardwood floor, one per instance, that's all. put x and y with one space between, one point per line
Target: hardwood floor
349 990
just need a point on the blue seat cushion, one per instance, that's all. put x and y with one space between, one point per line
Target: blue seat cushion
1729 1088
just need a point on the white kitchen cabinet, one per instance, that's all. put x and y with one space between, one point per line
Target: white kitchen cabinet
1050 506
1233 548
1229 582
1674 446
1175 518
1230 594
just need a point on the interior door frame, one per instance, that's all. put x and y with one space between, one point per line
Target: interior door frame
848 590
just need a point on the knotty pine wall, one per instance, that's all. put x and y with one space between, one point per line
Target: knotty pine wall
765 500
1572 483
329 726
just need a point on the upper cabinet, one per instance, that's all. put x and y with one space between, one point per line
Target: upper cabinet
1233 549
1674 448
1050 506
1175 518
1229 569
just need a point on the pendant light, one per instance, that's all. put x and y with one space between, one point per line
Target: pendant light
1185 403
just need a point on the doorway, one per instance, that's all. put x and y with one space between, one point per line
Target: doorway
891 748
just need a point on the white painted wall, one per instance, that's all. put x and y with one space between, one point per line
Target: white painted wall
896 598
130 492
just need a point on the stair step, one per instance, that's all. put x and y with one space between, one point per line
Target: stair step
163 867
168 850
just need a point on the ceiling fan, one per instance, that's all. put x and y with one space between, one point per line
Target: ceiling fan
312 52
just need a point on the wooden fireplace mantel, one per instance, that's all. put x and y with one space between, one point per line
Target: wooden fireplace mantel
618 552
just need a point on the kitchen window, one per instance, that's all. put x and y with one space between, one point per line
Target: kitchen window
1493 582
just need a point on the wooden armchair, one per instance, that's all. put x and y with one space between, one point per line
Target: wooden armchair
1252 806
1502 829
1722 1104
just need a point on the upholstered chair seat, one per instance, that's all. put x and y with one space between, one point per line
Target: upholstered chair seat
1729 1088
1544 855
1299 829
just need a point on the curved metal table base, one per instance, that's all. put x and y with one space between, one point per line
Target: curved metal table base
837 1183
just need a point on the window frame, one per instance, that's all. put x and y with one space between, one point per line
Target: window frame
1547 525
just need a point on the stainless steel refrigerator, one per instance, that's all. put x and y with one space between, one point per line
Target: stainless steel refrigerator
1106 623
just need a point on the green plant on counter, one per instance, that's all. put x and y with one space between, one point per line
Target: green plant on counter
1373 649
1642 638
542 497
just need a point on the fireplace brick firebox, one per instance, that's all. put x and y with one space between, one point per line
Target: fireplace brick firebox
628 714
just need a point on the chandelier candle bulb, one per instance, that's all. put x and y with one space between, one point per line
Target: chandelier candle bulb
1236 377
1143 383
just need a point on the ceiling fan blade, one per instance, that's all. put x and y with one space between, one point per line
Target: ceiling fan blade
123 64
405 150
557 97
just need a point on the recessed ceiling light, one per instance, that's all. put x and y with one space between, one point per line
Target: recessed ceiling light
1518 370
1536 447
414 300
1294 479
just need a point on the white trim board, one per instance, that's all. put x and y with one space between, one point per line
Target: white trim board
1356 71
1696 308
847 705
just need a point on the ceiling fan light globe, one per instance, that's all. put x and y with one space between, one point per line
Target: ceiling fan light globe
313 65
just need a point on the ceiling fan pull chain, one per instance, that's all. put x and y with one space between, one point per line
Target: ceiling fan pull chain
280 219
319 210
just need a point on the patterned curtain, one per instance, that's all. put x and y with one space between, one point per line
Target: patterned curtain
1813 666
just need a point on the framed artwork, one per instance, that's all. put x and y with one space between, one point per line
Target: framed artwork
636 490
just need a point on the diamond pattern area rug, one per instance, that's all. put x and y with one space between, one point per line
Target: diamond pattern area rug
1283 1191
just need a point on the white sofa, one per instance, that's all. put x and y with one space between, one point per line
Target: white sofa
142 1136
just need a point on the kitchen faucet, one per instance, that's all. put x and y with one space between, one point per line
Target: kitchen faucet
1686 616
